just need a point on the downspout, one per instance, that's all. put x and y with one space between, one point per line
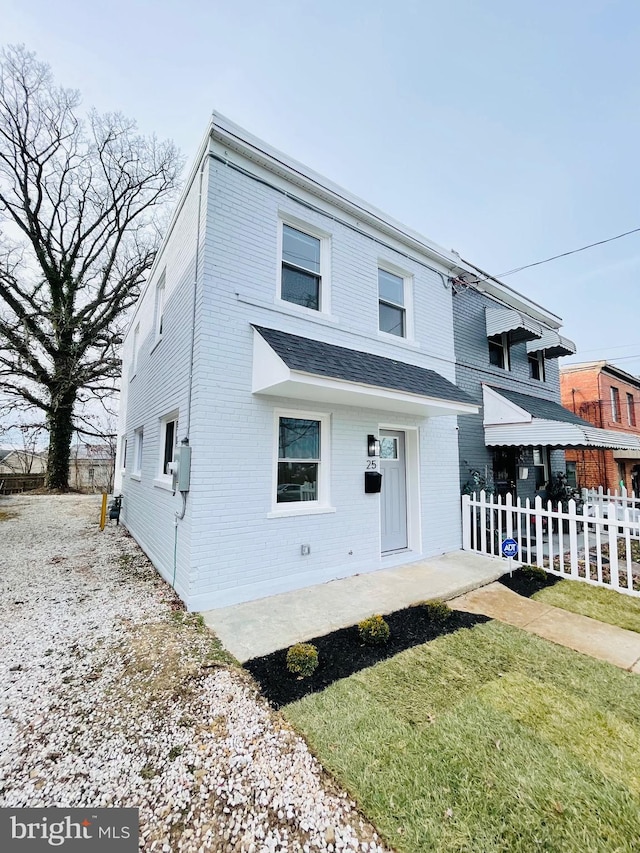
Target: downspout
180 515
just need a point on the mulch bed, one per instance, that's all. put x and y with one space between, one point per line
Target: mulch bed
342 653
527 582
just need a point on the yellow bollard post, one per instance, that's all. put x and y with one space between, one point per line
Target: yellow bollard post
103 512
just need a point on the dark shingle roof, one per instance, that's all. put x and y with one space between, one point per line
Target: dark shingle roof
548 410
350 365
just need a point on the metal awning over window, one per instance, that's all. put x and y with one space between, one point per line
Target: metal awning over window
512 420
291 366
500 319
552 345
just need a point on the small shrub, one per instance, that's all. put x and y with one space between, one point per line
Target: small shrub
437 611
534 573
374 631
302 659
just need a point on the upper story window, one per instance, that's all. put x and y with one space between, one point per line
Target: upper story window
615 404
536 365
392 303
159 306
631 410
135 346
499 350
303 279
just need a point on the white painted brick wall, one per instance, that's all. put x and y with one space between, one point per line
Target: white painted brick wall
228 548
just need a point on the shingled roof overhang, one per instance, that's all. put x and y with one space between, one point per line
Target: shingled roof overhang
512 419
286 365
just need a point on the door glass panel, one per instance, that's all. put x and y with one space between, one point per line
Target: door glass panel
388 447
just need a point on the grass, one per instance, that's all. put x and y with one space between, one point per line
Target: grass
606 605
488 739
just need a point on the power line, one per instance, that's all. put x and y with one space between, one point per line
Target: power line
555 257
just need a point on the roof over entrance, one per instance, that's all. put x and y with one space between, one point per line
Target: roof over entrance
292 366
513 419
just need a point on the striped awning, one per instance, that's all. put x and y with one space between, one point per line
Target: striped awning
552 345
520 327
512 419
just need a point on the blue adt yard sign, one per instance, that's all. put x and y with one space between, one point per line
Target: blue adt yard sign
509 548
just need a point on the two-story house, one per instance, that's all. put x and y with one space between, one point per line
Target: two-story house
295 343
609 398
507 351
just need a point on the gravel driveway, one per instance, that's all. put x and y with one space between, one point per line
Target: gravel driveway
113 696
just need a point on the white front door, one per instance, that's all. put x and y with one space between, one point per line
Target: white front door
393 502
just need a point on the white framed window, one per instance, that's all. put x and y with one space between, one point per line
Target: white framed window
135 347
541 467
631 410
301 461
303 266
499 351
615 404
536 366
395 302
138 450
168 444
159 307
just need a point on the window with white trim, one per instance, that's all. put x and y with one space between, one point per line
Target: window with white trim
304 267
536 365
541 467
139 446
631 410
135 345
159 307
302 459
168 443
393 303
499 350
615 404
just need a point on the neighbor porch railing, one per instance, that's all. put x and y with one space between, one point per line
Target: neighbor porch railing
597 544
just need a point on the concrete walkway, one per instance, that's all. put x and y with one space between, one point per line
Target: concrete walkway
605 642
257 628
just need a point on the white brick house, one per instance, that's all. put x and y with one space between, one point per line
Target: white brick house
284 326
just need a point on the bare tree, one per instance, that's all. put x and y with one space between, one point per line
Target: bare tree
77 236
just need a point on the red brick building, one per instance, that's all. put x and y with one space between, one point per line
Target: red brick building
609 398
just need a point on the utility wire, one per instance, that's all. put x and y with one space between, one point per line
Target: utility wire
555 257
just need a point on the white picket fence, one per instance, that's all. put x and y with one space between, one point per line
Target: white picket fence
621 500
595 544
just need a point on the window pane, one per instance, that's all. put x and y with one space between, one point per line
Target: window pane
297 481
391 319
300 288
169 441
388 447
300 249
298 439
390 287
496 353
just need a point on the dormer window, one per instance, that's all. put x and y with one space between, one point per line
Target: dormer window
536 365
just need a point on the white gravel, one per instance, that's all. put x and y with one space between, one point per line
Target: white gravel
107 699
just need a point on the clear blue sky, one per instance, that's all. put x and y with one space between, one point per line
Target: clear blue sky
506 130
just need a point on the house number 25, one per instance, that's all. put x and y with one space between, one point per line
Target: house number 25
372 464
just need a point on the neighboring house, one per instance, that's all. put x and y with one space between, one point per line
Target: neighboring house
300 341
507 351
22 461
607 397
91 468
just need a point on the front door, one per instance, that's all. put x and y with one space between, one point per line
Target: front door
393 503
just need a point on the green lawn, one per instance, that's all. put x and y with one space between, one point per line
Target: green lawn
484 740
597 602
